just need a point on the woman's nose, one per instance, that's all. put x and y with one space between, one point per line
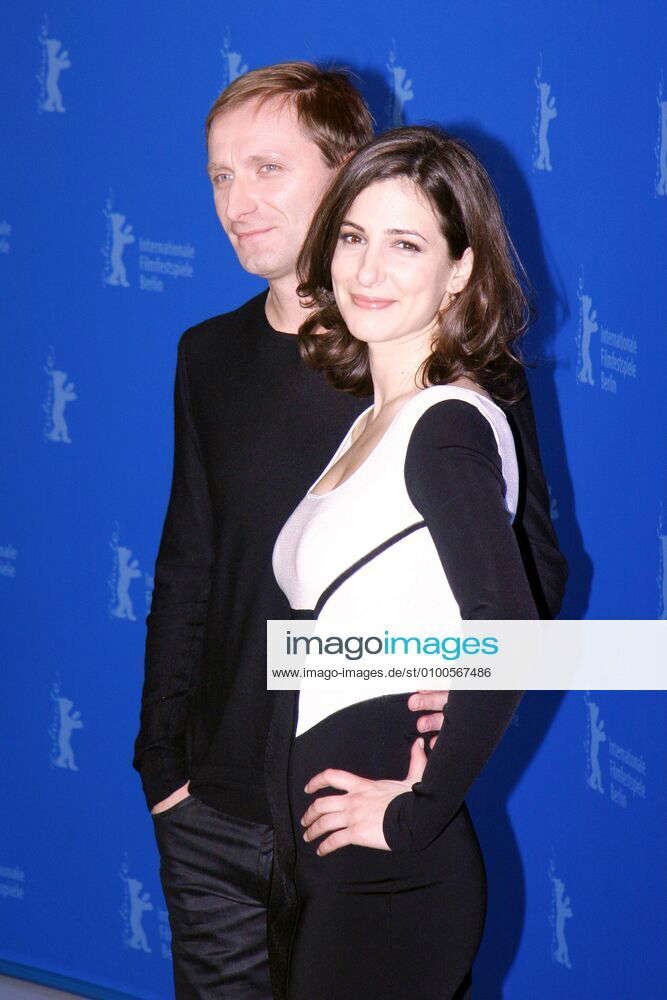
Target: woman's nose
371 271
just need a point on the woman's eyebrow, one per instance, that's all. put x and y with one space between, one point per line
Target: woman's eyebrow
389 232
406 232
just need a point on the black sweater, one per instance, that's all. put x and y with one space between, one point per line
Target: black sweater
253 428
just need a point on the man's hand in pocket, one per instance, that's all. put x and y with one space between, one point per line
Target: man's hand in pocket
171 800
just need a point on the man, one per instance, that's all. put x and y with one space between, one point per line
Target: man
253 428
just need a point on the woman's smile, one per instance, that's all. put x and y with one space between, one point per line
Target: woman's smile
365 302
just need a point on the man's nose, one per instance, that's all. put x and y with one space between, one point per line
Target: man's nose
240 199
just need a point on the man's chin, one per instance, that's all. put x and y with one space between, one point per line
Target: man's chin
265 267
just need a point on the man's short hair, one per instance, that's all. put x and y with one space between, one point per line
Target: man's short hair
329 107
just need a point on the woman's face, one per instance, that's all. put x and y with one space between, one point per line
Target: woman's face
391 270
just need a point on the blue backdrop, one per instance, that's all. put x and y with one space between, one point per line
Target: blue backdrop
109 249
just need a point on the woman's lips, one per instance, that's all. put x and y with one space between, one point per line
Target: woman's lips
367 303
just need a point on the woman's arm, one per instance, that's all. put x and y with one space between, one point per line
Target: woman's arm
453 474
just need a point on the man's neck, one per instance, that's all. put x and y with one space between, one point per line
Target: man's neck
283 306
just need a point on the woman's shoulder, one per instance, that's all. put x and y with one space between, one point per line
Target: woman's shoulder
457 417
456 408
461 389
450 425
453 419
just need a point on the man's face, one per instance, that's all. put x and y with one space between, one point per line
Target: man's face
268 178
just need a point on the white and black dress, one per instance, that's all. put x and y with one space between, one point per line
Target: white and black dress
422 529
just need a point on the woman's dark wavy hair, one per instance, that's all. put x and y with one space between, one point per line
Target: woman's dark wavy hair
480 328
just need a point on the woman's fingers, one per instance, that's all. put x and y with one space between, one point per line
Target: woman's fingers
333 778
338 839
326 823
325 804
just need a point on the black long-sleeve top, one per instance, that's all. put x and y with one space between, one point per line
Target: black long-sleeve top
453 475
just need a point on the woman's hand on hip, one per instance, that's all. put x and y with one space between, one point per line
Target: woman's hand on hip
357 816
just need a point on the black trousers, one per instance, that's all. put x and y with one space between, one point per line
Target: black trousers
215 871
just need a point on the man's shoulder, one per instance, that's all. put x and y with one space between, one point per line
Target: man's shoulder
222 332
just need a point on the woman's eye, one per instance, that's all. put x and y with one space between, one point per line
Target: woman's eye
349 237
408 245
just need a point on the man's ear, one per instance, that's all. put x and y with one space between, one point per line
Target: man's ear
461 272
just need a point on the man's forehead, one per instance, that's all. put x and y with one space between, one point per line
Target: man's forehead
275 121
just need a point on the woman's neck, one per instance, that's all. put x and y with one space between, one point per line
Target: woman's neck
394 365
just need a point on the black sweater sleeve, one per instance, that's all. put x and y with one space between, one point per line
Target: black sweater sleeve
175 625
545 565
453 474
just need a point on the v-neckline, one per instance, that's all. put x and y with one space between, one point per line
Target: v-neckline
345 446
346 443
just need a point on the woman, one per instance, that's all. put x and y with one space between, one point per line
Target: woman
412 278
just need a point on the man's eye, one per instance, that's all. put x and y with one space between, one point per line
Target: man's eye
408 245
270 168
219 178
